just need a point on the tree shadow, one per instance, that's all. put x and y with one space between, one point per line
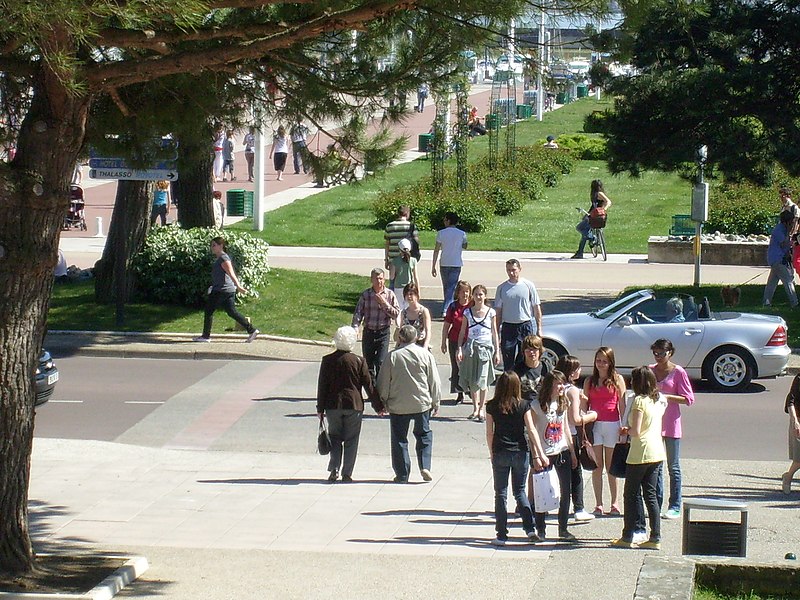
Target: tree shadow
302 481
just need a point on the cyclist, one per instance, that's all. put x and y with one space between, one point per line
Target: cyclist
599 200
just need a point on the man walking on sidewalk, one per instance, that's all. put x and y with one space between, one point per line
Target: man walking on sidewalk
410 389
517 306
377 308
451 241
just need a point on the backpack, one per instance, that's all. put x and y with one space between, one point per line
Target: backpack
597 217
415 252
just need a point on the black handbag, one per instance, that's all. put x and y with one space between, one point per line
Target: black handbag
323 439
411 237
619 460
586 454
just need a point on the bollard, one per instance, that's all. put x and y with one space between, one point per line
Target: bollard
99 221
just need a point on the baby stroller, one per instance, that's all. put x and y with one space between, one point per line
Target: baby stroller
75 216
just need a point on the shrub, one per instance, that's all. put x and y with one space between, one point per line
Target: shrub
584 147
742 209
505 198
595 122
175 265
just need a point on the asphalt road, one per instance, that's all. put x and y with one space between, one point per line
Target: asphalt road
268 406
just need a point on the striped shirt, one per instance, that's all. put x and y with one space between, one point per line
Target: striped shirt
396 231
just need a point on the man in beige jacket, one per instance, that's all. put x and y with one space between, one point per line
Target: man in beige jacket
410 389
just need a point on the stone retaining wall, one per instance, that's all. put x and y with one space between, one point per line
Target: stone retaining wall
661 249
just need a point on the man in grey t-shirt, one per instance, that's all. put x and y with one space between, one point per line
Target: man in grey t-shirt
517 305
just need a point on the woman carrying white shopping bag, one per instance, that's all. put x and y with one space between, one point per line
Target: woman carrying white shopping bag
550 420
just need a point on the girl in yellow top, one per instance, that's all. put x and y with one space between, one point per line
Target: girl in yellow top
646 454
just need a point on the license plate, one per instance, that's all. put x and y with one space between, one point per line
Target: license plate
51 379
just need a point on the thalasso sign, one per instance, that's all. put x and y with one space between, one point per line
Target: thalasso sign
135 174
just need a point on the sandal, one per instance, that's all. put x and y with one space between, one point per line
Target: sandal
598 510
614 512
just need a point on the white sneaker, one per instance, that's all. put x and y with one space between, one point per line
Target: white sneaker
252 336
426 475
582 515
201 339
639 537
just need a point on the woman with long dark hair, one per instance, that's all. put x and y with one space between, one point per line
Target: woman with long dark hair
507 419
599 199
674 383
450 330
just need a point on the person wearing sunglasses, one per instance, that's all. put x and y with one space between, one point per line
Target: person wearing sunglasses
674 383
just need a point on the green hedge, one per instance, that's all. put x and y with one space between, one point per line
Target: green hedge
747 209
175 265
500 191
583 146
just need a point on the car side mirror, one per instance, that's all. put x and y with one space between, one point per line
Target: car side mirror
625 321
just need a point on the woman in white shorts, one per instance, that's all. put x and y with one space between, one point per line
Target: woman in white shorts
605 393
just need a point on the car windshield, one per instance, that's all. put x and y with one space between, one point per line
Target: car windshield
609 310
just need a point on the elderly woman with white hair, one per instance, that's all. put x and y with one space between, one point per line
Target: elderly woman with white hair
342 376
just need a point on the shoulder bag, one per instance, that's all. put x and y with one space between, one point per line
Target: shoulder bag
586 454
619 460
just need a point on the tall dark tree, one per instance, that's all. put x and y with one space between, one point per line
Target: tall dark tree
721 73
59 57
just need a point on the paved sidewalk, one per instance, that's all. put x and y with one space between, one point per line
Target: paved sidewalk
244 525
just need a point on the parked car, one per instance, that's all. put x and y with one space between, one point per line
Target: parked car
46 378
729 349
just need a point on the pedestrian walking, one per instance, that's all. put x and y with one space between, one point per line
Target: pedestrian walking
519 313
299 133
674 383
249 142
792 408
410 390
779 258
377 309
161 203
402 271
644 457
416 315
451 242
396 230
222 293
422 95
228 157
342 376
219 143
462 297
279 151
507 421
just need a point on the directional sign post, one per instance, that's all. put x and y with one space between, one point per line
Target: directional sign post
135 174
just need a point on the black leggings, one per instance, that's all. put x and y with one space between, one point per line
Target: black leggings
226 300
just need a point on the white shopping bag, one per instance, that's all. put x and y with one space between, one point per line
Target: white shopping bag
546 490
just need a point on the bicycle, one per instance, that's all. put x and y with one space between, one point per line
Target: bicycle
598 245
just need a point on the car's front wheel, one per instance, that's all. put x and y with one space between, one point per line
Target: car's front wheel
552 352
729 368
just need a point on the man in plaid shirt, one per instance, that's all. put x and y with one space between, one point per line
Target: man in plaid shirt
377 308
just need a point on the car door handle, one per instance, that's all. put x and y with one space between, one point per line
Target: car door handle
692 331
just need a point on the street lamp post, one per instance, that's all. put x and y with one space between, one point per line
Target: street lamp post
699 208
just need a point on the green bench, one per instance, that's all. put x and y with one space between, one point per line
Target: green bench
682 225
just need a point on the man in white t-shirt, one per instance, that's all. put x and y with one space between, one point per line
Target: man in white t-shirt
451 241
517 306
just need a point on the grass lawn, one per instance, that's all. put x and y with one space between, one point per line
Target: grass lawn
286 307
342 217
704 593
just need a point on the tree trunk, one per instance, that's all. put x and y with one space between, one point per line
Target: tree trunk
126 236
34 195
194 187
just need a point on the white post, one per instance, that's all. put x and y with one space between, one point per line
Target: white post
597 88
540 74
260 186
99 222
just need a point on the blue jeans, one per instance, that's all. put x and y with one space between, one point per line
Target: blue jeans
505 462
449 277
586 234
640 485
673 464
511 336
401 462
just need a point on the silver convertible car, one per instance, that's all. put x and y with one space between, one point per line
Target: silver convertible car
729 349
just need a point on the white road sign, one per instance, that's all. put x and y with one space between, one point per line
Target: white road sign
135 174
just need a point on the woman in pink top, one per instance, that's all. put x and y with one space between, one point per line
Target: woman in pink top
605 391
673 382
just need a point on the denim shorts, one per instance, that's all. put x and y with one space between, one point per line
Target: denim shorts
606 433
